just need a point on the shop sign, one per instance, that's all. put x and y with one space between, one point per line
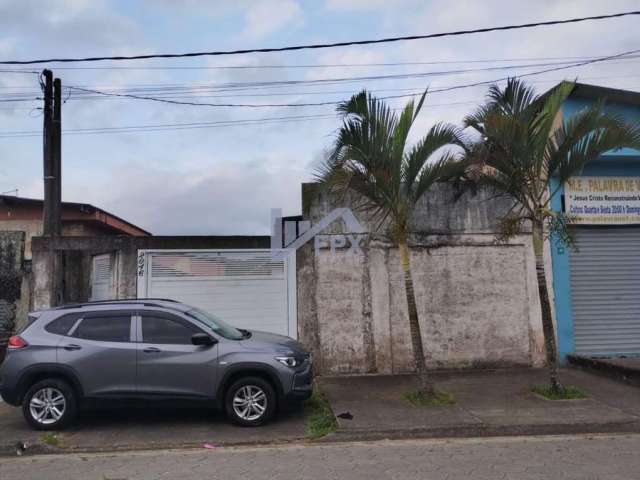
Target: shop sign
603 200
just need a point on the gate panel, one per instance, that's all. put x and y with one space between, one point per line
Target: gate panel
247 288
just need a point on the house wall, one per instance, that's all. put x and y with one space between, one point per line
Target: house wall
477 300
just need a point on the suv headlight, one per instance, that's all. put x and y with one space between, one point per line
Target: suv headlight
291 362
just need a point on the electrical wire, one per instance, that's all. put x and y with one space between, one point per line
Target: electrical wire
325 45
314 104
318 65
169 90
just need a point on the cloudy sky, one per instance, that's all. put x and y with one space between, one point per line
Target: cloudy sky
195 176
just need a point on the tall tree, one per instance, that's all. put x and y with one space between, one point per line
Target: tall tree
524 145
371 159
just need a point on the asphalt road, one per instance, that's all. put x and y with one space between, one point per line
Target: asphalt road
582 457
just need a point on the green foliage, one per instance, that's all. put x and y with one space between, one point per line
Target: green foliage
370 157
524 145
421 399
565 393
559 230
320 420
52 439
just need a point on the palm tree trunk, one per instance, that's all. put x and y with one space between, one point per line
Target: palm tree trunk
547 321
426 386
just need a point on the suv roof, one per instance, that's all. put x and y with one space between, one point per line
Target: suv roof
146 302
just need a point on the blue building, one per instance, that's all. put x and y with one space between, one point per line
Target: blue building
597 288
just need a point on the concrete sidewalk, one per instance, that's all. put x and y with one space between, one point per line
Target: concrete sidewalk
143 429
487 403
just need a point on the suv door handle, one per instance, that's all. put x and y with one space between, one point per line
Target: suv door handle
151 350
72 346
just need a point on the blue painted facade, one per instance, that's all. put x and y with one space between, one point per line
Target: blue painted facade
621 163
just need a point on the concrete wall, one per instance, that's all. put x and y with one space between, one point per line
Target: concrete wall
477 300
75 256
33 228
11 261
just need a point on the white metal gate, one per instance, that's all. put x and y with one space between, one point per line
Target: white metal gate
605 291
254 289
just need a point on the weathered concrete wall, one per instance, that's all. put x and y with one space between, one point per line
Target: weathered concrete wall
33 228
76 254
441 211
11 260
477 300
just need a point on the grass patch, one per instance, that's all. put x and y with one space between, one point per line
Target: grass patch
52 439
567 393
319 417
420 399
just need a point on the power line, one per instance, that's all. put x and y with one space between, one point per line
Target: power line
313 104
195 125
317 65
324 45
171 126
166 90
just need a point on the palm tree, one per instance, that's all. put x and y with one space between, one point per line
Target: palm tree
524 145
371 159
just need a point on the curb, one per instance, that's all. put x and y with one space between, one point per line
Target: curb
342 436
480 431
11 450
620 373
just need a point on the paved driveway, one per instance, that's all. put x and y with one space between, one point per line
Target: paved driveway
147 428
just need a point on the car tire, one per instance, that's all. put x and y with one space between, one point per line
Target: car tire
49 404
250 402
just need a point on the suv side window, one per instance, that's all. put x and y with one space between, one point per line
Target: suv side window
166 330
62 325
105 328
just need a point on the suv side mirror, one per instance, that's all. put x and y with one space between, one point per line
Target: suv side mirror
203 339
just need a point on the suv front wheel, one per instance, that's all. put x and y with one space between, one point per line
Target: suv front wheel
250 401
49 405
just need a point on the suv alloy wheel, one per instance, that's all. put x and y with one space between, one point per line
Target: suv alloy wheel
250 401
49 405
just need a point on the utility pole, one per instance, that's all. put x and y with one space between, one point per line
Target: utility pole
52 166
57 158
48 149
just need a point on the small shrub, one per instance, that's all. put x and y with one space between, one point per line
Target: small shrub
52 439
421 399
319 416
566 393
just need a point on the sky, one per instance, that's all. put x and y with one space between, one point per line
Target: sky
192 176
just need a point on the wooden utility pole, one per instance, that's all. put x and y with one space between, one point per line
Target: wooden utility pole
48 149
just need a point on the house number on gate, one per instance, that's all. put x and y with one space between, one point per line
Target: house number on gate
141 264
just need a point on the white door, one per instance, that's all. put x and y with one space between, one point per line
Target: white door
253 289
101 278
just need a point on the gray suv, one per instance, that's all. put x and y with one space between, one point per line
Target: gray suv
148 349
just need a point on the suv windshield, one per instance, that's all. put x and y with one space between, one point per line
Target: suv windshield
218 326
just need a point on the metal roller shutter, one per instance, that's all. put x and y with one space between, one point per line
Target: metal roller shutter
605 291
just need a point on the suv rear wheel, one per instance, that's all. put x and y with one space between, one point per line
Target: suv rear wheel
250 401
49 404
